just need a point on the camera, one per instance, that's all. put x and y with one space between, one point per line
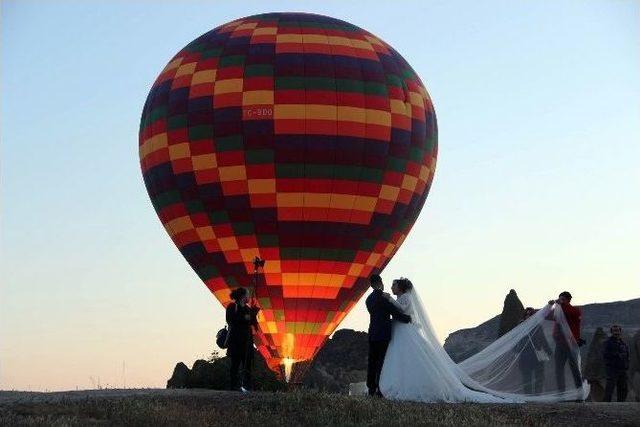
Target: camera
257 263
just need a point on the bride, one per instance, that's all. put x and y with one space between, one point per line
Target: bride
416 367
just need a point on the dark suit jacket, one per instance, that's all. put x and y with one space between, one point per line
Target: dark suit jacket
240 320
616 354
380 312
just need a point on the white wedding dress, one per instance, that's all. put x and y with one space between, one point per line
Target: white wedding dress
512 369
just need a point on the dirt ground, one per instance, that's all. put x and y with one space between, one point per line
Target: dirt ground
217 408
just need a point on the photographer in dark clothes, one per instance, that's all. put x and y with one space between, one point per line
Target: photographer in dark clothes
241 318
616 360
380 312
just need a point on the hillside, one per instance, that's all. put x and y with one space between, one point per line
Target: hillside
466 342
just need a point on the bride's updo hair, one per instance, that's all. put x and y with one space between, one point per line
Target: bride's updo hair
404 284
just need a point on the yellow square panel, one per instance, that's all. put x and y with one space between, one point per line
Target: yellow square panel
272 266
290 279
378 117
222 295
265 31
416 99
339 41
374 40
315 38
248 254
288 111
272 327
206 233
307 279
179 151
173 65
232 173
424 173
388 192
389 249
152 144
373 259
205 76
179 225
342 201
337 280
361 44
400 107
186 69
204 161
365 203
351 114
257 97
289 38
289 200
322 279
228 243
247 26
409 182
317 200
321 112
227 86
262 186
355 269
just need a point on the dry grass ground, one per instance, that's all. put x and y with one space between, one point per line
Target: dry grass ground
215 408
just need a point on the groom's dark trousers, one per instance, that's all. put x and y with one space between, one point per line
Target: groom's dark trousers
380 312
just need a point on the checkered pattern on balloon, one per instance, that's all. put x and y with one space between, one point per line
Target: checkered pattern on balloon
298 138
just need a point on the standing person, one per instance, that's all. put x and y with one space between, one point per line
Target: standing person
535 350
380 312
241 318
563 353
616 360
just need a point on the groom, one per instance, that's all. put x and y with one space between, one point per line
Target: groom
380 312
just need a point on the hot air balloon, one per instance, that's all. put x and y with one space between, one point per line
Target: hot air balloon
298 138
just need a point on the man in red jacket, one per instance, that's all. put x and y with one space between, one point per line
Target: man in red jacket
564 352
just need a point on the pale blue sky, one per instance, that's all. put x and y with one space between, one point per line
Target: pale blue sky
537 185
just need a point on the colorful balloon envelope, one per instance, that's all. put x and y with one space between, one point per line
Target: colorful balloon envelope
298 138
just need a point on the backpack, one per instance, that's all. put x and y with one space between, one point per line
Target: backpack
222 338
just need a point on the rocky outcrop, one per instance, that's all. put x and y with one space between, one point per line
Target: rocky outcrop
341 361
180 377
594 370
214 374
467 342
512 313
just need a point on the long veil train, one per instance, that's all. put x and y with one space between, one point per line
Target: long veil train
537 361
